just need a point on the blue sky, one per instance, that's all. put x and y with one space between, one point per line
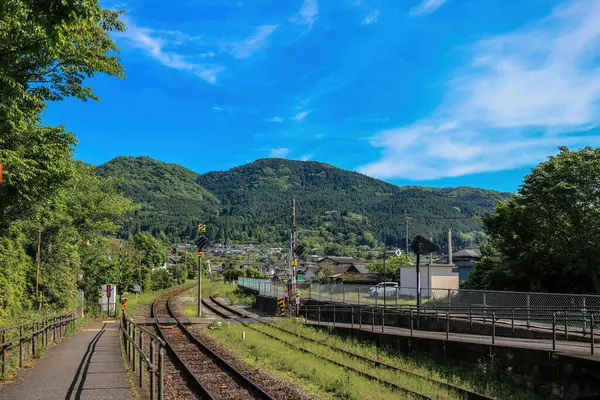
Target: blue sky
427 92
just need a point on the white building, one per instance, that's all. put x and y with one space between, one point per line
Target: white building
435 280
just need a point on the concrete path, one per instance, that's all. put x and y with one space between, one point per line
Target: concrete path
86 366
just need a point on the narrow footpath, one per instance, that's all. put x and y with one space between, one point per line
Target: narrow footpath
86 366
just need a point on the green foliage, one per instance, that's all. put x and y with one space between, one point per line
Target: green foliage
172 201
546 238
392 267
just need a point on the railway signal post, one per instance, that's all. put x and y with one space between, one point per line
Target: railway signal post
200 242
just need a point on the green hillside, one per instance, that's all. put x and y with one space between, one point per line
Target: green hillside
169 196
338 210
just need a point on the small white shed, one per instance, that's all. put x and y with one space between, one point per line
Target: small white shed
435 280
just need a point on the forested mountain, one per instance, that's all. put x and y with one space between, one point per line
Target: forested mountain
338 211
168 193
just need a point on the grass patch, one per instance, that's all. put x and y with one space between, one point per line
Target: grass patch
222 289
318 377
137 302
486 379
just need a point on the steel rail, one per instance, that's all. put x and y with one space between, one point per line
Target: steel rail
258 392
469 394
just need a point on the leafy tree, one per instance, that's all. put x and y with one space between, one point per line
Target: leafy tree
393 265
154 252
546 238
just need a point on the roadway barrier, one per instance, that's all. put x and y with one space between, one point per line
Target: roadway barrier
26 340
134 340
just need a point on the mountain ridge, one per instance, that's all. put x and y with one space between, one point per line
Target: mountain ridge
337 208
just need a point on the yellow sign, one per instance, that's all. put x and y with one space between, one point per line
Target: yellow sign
201 228
123 303
200 254
294 262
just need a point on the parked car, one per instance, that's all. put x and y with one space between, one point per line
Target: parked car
384 289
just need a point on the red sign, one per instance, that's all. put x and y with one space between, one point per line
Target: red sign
108 291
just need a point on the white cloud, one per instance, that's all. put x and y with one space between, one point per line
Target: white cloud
155 44
522 95
275 119
308 14
427 7
300 116
247 47
371 18
217 108
306 157
280 152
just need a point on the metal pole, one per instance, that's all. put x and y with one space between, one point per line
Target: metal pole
352 317
373 321
21 347
161 355
360 311
418 284
411 322
334 316
592 332
566 327
553 331
343 293
319 315
140 355
493 328
199 312
3 353
384 276
447 325
133 349
359 295
152 376
382 319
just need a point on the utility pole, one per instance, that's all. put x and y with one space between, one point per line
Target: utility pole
406 218
294 262
199 260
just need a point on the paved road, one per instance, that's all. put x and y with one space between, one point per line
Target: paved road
87 366
572 348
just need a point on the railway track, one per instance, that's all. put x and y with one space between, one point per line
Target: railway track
209 375
229 312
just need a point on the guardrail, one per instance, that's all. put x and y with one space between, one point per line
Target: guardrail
133 337
25 340
377 317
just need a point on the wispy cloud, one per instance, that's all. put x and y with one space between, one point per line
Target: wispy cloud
522 95
275 119
245 48
427 7
160 45
308 14
306 157
280 152
300 116
371 17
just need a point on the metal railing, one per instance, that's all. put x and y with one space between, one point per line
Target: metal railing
362 294
478 303
26 340
135 338
380 318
